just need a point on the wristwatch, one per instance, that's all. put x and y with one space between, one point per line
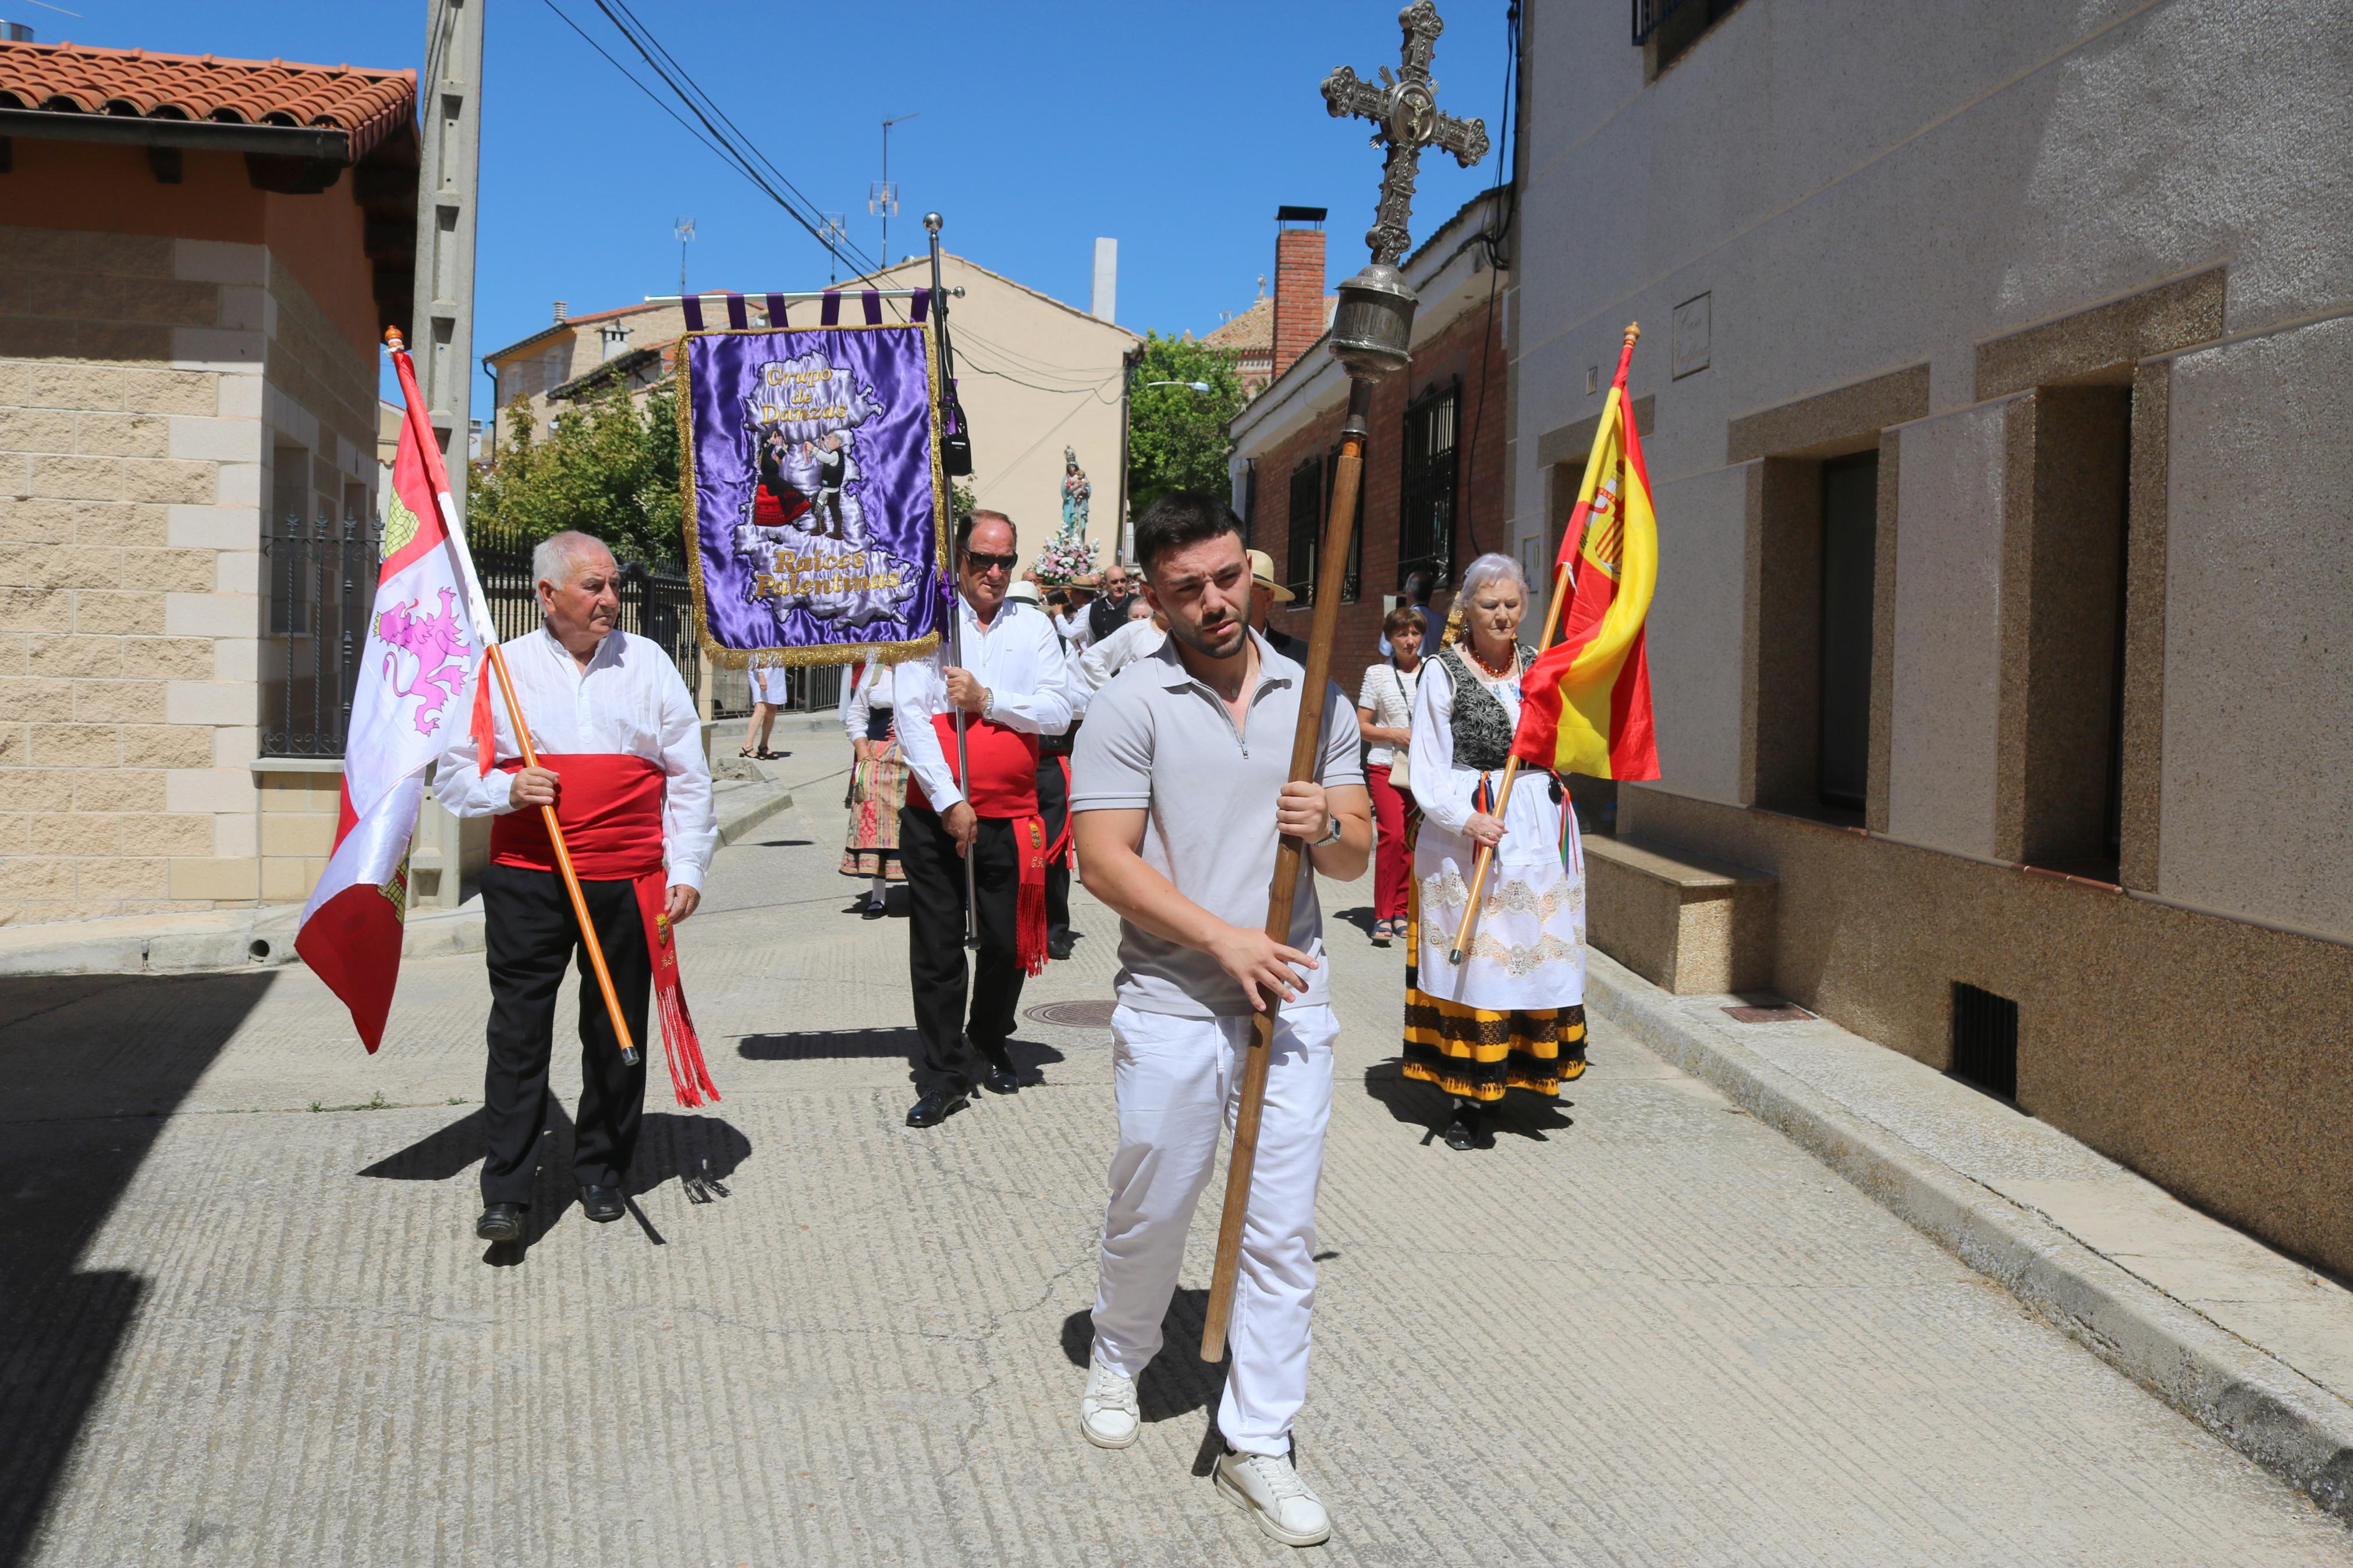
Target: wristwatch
1333 835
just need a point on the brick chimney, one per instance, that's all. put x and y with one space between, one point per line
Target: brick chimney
1298 283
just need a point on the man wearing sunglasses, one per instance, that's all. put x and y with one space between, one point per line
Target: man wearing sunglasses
1013 686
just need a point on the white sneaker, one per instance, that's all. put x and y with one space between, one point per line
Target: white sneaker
1107 1412
1275 1496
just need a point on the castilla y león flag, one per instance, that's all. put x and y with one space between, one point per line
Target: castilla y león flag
1587 707
423 639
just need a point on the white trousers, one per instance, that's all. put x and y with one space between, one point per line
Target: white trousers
1175 1081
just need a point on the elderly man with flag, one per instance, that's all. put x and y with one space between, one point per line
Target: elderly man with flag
1495 991
617 750
593 729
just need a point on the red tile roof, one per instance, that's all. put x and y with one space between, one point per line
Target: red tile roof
367 106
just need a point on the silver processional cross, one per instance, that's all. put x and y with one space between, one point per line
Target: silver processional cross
1404 110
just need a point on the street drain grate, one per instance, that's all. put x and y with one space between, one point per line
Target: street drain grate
1782 1014
1074 1014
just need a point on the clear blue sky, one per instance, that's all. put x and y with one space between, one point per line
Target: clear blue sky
1175 126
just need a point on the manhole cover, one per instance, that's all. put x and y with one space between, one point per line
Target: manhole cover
1782 1014
1074 1014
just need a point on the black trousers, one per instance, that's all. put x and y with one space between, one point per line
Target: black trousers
1054 805
944 1055
533 936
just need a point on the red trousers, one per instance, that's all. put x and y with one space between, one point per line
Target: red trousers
1392 855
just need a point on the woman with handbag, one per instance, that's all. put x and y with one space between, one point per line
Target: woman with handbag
1384 718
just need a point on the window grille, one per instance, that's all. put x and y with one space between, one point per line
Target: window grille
1426 507
1985 1040
1650 16
320 572
1352 584
1305 526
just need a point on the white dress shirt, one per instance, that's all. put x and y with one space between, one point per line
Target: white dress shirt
1116 652
629 700
1017 656
1076 629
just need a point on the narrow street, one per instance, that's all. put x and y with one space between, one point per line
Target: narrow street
252 1324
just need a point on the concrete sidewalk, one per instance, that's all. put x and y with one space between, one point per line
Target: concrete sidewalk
263 937
2256 1347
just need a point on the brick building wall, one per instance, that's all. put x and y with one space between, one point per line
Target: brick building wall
149 387
1469 347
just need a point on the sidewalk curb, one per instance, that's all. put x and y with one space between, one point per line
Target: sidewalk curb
263 937
2252 1401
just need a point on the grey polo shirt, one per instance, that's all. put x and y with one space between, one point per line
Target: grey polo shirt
1156 738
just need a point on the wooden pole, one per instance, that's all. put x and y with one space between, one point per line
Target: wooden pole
1563 582
437 476
1306 742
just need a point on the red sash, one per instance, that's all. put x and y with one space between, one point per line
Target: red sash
1003 784
610 808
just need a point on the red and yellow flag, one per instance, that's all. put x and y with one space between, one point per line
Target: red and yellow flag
1587 707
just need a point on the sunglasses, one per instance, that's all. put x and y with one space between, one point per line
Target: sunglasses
979 563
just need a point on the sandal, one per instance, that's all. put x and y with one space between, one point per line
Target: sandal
764 756
744 753
1381 933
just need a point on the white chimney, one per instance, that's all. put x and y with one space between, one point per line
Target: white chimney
1104 305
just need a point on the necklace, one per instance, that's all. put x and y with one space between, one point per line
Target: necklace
1509 664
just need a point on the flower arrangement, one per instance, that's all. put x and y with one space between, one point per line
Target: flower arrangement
1070 557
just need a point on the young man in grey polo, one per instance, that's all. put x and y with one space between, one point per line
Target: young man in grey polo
1178 792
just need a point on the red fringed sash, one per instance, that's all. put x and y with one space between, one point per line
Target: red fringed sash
1004 786
610 808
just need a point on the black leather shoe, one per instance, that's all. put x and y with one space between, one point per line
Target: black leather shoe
1001 1078
602 1204
500 1222
937 1107
874 910
1462 1132
1060 947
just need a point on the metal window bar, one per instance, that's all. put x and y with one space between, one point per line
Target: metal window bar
1352 585
1985 1040
1426 504
1304 527
321 580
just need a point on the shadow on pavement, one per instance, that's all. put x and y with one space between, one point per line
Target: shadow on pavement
824 1044
1519 1114
89 1066
700 1152
1178 1381
1361 917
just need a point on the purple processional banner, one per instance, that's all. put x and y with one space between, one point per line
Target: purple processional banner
814 492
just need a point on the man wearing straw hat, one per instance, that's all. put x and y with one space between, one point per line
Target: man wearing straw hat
621 751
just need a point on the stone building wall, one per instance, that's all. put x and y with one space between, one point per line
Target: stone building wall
147 386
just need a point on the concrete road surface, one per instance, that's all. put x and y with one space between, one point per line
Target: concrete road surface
248 1322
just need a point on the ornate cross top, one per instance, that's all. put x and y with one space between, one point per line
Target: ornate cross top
1404 110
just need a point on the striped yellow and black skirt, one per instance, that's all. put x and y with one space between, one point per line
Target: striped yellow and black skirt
1477 1053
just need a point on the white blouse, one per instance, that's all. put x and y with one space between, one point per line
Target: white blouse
1387 696
873 691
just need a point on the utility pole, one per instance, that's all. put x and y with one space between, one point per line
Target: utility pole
882 199
684 229
442 313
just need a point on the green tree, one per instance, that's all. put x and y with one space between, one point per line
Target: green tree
1176 436
605 469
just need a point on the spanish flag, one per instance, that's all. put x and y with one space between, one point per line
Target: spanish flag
1587 707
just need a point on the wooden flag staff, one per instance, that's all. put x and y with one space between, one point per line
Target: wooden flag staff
1372 337
438 474
1563 580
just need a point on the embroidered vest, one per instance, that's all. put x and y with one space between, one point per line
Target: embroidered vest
1482 725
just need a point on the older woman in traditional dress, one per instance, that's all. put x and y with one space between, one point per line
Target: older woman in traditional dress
1510 1015
878 788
